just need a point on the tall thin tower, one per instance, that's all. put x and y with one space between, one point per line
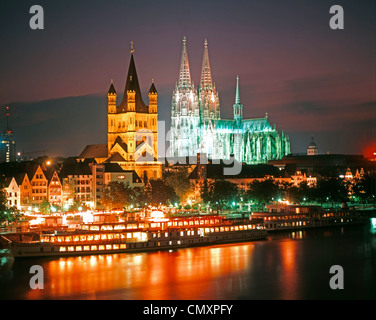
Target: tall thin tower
8 144
185 116
208 95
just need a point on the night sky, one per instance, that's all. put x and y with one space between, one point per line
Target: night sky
310 79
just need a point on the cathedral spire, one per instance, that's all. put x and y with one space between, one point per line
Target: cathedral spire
237 96
206 78
185 75
238 107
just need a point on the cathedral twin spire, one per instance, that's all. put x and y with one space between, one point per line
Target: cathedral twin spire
208 96
185 74
206 78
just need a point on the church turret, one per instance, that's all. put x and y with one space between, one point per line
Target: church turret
153 96
111 96
238 107
153 110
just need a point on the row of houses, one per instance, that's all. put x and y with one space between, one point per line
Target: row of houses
29 185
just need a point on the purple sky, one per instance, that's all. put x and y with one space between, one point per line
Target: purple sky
310 79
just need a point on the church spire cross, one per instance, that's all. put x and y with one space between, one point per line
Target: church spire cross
132 49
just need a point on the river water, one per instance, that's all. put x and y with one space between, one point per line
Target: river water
288 265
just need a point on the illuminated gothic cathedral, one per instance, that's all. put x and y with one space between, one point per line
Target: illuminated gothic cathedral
197 127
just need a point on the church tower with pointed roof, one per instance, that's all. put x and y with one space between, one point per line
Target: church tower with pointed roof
132 137
185 114
208 95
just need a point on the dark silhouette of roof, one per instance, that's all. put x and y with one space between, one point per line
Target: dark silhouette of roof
121 143
116 157
79 168
216 171
13 169
94 151
112 167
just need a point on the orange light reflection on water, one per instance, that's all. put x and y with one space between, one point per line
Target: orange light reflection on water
181 274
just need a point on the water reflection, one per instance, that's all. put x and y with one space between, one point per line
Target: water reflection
181 274
286 266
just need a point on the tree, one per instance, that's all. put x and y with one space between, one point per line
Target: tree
179 182
293 194
11 214
140 196
161 192
300 193
219 192
3 207
330 190
261 192
365 189
116 195
45 206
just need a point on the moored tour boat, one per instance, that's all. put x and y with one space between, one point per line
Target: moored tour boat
291 217
158 233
